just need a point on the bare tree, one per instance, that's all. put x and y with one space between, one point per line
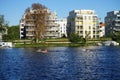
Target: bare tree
36 6
39 14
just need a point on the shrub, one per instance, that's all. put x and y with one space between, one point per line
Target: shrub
75 38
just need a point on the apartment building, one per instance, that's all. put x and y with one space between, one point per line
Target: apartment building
62 24
83 22
52 29
112 22
22 27
27 26
102 29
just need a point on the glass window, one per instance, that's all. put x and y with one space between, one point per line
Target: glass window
85 17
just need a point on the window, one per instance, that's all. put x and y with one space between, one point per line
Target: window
89 27
85 17
81 27
81 32
89 17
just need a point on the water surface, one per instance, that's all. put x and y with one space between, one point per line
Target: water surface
60 63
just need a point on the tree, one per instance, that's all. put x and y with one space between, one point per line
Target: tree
86 37
3 24
116 36
13 33
75 38
39 14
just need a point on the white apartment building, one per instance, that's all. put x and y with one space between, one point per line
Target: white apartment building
102 30
62 27
22 27
52 30
112 22
27 30
83 22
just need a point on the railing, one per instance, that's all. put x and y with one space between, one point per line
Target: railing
116 29
29 24
117 24
117 19
30 30
29 35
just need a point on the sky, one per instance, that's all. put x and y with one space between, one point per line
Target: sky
14 9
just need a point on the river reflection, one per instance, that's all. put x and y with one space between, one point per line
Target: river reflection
60 63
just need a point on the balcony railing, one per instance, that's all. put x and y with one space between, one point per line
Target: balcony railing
117 19
29 24
116 29
30 30
117 24
29 34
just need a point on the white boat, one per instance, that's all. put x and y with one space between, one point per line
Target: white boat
110 43
6 44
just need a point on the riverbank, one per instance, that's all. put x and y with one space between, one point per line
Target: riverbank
61 42
67 44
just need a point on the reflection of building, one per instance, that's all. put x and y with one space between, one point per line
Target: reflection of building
62 27
27 26
112 22
102 29
83 22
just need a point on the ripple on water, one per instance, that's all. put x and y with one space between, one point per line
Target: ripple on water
61 63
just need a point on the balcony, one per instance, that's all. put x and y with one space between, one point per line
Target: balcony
117 19
29 25
29 34
29 19
117 24
51 35
29 29
52 24
116 29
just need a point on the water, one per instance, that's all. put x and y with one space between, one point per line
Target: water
60 63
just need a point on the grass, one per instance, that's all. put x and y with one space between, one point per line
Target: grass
34 45
60 42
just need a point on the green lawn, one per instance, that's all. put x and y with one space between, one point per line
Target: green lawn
56 42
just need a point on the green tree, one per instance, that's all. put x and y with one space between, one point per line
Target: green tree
3 25
75 38
13 33
116 36
86 37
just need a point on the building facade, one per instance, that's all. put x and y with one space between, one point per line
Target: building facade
52 28
27 26
85 23
112 22
102 29
62 27
22 27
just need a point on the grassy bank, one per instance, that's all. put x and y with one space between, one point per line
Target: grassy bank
34 45
61 42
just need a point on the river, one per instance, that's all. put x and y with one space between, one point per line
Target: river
60 63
